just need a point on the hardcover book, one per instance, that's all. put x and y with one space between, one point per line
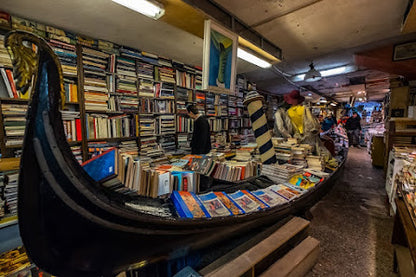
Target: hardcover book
230 204
102 166
213 205
244 201
188 205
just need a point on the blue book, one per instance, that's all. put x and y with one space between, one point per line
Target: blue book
244 201
102 166
188 205
213 205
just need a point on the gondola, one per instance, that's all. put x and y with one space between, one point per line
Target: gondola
68 224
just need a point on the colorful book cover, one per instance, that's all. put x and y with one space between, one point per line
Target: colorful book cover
213 205
188 205
262 204
230 204
270 198
101 166
244 201
284 191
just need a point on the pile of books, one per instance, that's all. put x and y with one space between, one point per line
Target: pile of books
14 121
146 88
165 74
315 162
146 106
67 56
5 59
184 142
10 193
219 204
281 173
147 126
165 91
145 70
165 124
168 143
198 77
72 125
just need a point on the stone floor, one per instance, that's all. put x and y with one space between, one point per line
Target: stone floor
352 223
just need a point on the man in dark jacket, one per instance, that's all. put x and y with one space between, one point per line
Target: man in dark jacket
201 141
353 127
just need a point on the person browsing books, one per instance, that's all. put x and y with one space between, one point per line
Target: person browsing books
201 142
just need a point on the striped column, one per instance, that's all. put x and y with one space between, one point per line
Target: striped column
254 103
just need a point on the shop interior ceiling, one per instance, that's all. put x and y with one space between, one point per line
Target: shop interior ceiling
325 32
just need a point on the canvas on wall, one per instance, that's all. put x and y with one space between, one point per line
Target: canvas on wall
220 56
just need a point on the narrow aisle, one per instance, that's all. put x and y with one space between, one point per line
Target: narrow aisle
352 223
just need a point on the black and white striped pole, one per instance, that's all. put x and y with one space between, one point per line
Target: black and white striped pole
254 103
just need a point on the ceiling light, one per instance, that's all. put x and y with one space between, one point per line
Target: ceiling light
333 104
360 99
328 72
242 54
323 100
148 8
312 75
309 94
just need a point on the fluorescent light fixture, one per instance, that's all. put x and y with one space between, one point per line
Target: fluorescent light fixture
309 94
242 54
148 8
333 104
329 72
323 100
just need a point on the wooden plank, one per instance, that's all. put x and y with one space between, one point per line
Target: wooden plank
246 262
9 164
408 227
237 251
297 262
404 260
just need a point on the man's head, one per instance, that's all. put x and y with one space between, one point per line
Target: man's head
192 111
354 114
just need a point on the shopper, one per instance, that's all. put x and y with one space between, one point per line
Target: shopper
353 127
201 142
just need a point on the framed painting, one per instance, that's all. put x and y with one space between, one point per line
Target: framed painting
220 58
404 51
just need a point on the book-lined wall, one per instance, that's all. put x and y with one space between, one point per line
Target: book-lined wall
116 94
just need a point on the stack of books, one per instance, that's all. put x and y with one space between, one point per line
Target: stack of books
168 143
184 142
72 125
67 56
165 91
126 66
315 162
210 104
165 74
165 124
147 126
145 70
146 88
14 121
10 193
218 124
198 77
283 152
77 152
281 173
5 60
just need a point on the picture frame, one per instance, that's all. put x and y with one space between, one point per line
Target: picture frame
219 58
404 51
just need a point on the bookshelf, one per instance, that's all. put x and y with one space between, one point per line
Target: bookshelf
117 94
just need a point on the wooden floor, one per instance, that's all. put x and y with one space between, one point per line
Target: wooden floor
352 223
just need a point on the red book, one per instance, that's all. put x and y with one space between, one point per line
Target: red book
78 128
12 84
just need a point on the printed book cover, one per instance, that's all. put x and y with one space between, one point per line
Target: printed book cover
270 198
213 205
188 205
284 191
230 204
244 201
255 199
102 166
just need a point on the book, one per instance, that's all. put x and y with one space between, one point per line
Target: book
230 204
244 201
271 199
102 166
188 205
284 191
213 205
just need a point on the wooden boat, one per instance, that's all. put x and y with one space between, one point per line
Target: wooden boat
68 224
